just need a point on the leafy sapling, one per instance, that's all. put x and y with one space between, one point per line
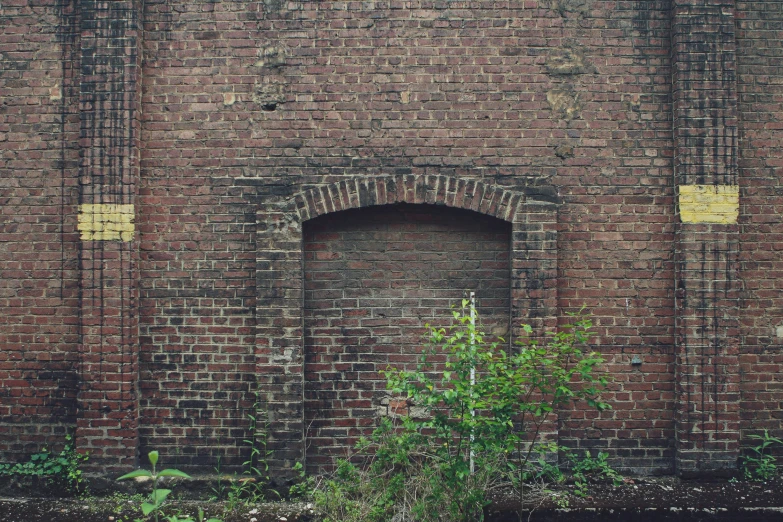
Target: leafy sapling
153 505
482 406
759 464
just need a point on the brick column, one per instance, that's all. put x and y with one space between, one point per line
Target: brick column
108 174
280 335
705 136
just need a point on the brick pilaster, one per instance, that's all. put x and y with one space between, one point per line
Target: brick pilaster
705 137
108 174
280 335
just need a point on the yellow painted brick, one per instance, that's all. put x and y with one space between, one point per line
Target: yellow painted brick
106 222
709 203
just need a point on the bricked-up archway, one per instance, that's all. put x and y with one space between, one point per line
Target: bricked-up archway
373 278
280 284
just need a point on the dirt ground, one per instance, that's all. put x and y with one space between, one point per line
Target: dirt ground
640 500
655 500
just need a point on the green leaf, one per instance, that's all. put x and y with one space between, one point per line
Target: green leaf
134 474
159 495
147 508
173 473
153 456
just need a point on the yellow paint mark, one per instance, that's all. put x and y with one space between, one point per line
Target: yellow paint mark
106 222
709 204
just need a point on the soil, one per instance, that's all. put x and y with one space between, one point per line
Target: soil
108 510
655 499
638 500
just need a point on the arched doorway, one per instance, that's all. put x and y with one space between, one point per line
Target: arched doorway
280 286
373 278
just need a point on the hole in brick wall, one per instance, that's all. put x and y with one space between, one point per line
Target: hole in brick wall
373 278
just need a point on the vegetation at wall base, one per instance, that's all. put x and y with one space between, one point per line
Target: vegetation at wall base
61 469
481 411
253 485
153 506
758 463
588 467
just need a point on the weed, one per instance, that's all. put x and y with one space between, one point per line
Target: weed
219 489
154 504
760 464
587 467
561 501
253 485
61 469
304 486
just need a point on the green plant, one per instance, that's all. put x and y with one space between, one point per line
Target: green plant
186 518
253 484
303 487
760 464
62 468
220 490
587 466
498 419
541 470
154 504
481 407
116 503
561 501
343 497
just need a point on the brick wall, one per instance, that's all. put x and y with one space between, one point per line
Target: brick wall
760 79
280 335
706 241
540 100
615 249
38 247
610 137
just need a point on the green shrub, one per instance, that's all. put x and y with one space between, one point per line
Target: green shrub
597 467
469 438
758 463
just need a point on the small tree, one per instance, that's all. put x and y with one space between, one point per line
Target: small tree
491 423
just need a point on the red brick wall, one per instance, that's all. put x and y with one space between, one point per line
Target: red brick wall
224 115
615 249
540 100
38 247
197 258
760 80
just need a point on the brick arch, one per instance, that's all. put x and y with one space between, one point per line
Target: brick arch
466 194
280 281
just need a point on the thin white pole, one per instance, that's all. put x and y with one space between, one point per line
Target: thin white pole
472 370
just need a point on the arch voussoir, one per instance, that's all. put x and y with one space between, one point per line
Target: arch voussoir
466 194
